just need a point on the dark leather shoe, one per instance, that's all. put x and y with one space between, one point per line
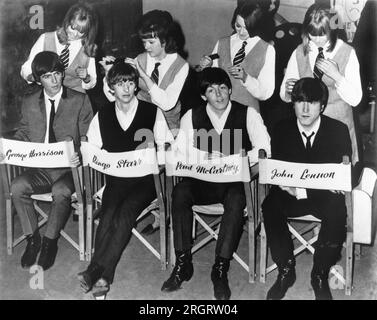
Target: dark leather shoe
149 229
48 253
320 284
32 249
286 279
183 271
90 276
100 289
219 277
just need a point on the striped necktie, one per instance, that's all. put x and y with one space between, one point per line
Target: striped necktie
240 55
155 73
316 72
64 56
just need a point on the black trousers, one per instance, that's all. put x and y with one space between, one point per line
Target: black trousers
123 200
325 205
191 192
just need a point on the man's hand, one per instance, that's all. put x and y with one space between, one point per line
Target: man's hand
291 190
2 157
337 191
75 160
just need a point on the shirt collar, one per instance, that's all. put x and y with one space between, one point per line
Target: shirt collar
133 106
55 97
313 129
314 47
212 113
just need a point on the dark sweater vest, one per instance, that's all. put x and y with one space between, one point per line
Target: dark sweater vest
115 139
232 139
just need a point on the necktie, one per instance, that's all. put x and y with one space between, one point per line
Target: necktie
240 55
308 145
51 134
316 72
64 56
155 74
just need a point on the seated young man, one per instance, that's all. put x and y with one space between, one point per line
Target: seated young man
219 117
310 137
50 115
115 129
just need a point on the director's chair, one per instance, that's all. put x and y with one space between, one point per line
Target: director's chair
12 167
342 182
202 212
95 180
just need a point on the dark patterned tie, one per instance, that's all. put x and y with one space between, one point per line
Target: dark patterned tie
51 134
316 72
308 145
240 55
64 56
155 74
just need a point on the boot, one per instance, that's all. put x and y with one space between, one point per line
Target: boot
286 279
320 284
219 279
90 276
32 249
48 253
183 271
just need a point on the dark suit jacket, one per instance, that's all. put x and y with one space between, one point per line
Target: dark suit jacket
72 117
331 142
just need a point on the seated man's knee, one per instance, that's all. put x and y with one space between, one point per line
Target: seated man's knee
61 191
182 193
236 198
20 186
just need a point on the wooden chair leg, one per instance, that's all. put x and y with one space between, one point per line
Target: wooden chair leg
252 255
263 254
358 251
89 232
9 217
349 263
80 212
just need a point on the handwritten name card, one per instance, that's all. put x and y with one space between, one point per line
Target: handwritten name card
36 155
305 175
136 163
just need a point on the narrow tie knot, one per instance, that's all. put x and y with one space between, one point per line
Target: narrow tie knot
308 138
244 44
320 50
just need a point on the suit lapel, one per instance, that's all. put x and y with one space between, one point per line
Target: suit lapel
62 103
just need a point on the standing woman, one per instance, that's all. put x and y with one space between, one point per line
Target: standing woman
162 70
249 60
324 56
74 42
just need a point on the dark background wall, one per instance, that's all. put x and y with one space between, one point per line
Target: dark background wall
116 36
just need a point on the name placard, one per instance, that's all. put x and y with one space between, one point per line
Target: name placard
131 164
37 155
231 168
329 176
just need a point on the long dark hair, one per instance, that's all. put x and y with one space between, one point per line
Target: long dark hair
317 22
82 12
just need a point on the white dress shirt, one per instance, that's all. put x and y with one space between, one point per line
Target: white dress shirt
161 130
48 105
262 87
164 99
74 48
349 88
256 130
